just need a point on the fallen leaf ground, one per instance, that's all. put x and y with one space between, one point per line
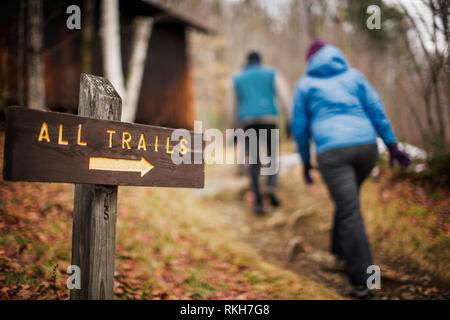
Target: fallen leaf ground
170 245
407 220
206 244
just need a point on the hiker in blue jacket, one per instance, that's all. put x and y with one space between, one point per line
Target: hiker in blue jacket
337 108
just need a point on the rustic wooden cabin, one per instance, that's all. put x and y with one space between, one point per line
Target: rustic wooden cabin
165 97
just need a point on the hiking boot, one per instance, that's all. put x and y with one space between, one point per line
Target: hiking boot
361 292
258 209
274 201
340 264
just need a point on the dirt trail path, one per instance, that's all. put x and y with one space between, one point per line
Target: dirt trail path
296 235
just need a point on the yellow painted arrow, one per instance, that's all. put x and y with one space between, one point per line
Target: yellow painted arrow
128 165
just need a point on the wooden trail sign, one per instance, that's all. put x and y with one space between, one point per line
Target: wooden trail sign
97 152
56 147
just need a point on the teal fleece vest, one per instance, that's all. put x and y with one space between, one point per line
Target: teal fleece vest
255 92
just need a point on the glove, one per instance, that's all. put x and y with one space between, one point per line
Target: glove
402 158
306 175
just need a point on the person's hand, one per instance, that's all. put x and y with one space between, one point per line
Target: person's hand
306 174
402 158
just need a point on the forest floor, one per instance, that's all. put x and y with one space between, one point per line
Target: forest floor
407 221
170 244
207 244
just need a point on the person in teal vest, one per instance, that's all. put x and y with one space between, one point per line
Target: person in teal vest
256 91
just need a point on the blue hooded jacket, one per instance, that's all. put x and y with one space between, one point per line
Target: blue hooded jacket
336 106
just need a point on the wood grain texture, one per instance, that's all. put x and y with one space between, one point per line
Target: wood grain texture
27 159
63 153
95 206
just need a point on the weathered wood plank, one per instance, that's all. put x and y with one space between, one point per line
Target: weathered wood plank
95 206
69 160
97 150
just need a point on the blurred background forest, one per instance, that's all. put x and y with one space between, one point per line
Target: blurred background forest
407 60
171 249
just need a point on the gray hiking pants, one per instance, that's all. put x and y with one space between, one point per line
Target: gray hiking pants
344 169
255 169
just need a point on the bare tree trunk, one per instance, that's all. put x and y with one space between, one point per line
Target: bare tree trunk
113 58
86 36
20 53
406 100
430 74
36 84
142 30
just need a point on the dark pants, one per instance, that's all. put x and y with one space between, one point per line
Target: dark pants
344 170
255 169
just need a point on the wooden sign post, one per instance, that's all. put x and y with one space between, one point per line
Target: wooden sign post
95 206
97 153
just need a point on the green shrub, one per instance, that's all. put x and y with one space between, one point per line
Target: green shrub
439 165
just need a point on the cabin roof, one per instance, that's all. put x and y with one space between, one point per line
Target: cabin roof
165 14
